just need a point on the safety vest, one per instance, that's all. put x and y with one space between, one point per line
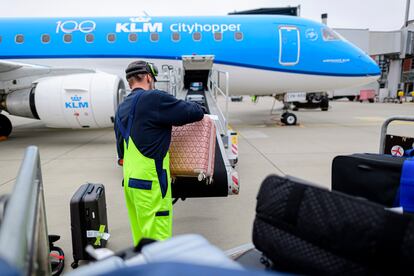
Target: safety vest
147 190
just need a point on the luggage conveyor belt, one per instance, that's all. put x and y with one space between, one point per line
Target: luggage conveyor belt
225 179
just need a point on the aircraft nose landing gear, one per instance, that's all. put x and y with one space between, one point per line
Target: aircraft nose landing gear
288 118
5 127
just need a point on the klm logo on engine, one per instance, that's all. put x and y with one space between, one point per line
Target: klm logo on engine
76 102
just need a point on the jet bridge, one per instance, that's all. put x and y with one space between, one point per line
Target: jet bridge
212 94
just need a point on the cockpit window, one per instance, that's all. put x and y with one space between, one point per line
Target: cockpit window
330 35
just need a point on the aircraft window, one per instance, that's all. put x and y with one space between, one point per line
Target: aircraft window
218 36
89 38
238 36
19 38
111 38
330 35
196 36
132 37
45 38
175 36
67 38
154 37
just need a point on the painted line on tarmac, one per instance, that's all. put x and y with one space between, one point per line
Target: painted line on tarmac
381 119
370 119
262 154
253 134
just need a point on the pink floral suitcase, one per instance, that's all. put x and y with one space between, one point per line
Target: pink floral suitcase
192 150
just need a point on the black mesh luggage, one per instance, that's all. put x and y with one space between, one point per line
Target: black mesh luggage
310 230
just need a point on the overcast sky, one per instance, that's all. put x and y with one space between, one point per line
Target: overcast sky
363 14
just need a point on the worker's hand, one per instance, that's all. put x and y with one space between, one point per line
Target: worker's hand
204 109
121 162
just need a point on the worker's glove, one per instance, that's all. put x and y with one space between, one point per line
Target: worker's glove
203 108
121 162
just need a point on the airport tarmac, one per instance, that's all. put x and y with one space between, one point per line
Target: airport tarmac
73 157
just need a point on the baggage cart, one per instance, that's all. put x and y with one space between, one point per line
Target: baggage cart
394 144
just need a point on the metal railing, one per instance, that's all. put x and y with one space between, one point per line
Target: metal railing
215 88
171 78
24 239
384 128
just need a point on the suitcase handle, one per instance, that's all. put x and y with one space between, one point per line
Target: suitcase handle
364 167
90 189
99 191
385 127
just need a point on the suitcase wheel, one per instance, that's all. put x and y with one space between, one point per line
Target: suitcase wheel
75 264
201 177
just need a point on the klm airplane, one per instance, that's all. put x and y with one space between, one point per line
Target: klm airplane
68 72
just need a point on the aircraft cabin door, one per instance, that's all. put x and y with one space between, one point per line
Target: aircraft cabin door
289 45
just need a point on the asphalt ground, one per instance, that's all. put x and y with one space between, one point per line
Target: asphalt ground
70 158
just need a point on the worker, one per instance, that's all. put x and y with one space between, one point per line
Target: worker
400 95
143 125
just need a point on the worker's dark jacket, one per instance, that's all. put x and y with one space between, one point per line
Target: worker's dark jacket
155 114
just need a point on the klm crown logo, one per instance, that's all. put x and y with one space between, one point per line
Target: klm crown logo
76 103
76 98
139 19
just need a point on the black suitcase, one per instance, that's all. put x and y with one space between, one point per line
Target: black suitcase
375 177
309 230
87 213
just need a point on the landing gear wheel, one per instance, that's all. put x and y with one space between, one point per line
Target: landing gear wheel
289 119
324 104
5 126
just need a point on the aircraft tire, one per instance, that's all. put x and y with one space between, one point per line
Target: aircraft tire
289 119
324 104
283 118
5 126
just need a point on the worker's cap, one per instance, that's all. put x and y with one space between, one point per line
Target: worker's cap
141 67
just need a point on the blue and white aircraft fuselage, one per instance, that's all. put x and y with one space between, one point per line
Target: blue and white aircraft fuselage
67 72
263 54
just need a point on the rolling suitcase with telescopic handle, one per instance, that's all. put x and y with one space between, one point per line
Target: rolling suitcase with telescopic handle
89 223
192 150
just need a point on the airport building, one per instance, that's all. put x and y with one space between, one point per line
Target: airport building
392 50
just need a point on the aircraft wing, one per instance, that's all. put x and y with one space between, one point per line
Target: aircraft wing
6 66
16 75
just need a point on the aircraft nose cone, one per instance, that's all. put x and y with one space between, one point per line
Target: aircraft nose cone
369 67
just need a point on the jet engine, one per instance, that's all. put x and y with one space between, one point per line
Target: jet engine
69 101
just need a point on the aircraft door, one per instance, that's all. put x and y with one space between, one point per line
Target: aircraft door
289 45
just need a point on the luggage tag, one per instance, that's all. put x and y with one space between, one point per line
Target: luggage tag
98 235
